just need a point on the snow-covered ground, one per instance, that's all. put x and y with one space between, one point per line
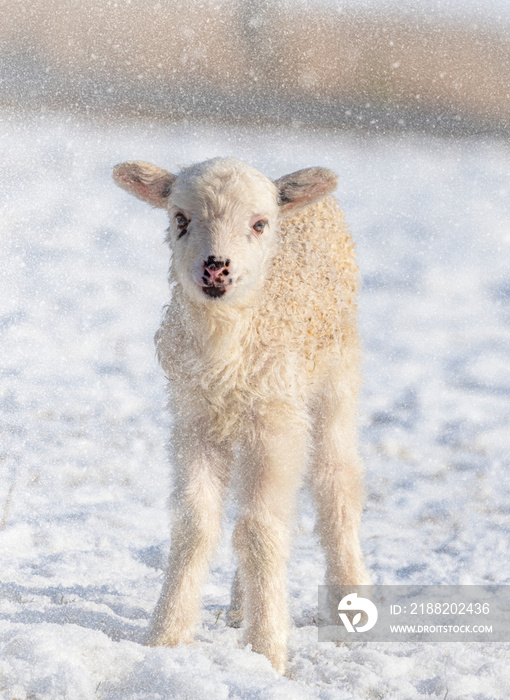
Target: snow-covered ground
83 472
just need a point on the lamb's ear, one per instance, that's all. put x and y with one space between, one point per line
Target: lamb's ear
297 190
145 181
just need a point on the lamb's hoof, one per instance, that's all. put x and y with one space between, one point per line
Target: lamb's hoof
280 666
234 618
156 641
278 660
165 639
275 653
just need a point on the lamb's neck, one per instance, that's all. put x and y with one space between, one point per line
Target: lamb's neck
209 319
219 330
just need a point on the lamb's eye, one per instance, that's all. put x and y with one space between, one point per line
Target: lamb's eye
182 223
181 220
259 226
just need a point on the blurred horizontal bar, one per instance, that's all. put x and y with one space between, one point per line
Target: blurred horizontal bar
256 61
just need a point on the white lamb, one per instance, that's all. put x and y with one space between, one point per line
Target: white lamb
260 348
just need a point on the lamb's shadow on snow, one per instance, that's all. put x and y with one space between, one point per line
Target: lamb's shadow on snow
307 618
67 606
215 617
155 556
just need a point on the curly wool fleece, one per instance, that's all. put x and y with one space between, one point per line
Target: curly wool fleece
278 346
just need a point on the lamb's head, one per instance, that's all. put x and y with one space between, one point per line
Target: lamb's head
223 219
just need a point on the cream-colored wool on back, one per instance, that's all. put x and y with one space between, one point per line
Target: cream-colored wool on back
260 348
281 345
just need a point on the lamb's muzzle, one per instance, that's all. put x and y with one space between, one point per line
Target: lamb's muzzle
214 291
215 278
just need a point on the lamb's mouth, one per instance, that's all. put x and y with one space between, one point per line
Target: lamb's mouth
214 292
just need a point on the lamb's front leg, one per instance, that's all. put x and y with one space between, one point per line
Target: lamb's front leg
201 474
271 476
336 477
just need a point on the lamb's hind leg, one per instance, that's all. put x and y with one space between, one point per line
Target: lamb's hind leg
271 476
201 475
235 612
336 477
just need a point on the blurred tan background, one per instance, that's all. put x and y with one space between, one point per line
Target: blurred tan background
239 60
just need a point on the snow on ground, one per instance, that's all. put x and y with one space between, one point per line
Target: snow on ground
84 478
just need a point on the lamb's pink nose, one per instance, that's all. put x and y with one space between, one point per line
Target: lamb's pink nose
215 270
